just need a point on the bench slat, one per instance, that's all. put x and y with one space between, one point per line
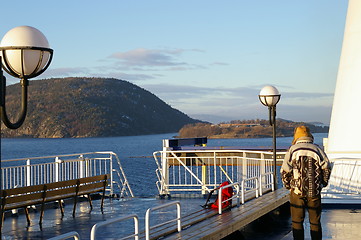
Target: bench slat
23 198
61 184
22 190
60 192
93 179
88 187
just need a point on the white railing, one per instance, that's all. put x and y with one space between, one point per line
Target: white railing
344 185
42 170
177 219
254 186
235 196
115 220
203 170
267 183
68 235
241 189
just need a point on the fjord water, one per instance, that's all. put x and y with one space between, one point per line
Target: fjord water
135 152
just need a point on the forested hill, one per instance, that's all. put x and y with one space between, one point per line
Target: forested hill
246 129
91 107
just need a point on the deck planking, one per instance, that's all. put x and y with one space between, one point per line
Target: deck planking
219 226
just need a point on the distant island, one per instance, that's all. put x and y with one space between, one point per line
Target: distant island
91 107
246 129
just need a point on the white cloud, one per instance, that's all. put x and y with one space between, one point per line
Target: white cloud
152 57
147 57
225 104
65 72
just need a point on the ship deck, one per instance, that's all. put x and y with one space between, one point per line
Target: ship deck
337 223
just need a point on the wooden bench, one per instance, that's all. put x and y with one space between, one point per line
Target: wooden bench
23 197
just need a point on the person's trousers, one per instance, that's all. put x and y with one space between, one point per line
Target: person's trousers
298 206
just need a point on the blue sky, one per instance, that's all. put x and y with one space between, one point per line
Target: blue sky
209 59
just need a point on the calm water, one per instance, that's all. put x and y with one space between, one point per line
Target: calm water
135 152
125 147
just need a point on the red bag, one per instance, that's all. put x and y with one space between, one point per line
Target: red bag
227 193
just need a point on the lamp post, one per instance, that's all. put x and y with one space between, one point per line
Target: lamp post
269 96
25 54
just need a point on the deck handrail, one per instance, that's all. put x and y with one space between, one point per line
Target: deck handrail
41 170
147 218
244 190
270 178
68 235
235 195
115 220
203 169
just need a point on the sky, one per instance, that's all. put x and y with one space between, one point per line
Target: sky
206 58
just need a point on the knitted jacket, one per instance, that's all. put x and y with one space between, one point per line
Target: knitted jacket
306 168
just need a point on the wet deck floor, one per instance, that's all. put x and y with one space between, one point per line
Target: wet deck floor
343 224
337 223
54 225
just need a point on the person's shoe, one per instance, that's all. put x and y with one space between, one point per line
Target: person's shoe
316 235
298 234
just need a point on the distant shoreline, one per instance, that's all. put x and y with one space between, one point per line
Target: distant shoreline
245 129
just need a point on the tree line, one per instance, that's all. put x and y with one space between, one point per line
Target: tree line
256 128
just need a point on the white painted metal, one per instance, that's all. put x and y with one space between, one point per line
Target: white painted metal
343 145
236 195
177 219
266 183
345 133
185 169
72 234
41 170
345 184
115 220
249 188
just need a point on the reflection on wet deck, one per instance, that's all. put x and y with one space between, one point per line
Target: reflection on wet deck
337 223
342 224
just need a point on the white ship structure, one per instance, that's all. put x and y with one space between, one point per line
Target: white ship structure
343 145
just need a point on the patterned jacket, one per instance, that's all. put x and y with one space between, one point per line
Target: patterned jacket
306 168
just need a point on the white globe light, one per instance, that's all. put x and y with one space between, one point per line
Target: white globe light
19 50
269 96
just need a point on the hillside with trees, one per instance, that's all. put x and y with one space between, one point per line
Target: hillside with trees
91 107
245 129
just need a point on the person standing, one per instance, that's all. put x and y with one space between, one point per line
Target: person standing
305 171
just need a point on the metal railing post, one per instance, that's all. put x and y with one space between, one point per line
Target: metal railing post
262 170
244 166
215 167
28 173
114 220
57 169
236 195
81 166
111 174
165 168
147 218
204 178
243 191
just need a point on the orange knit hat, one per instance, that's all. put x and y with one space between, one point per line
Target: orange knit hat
301 131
